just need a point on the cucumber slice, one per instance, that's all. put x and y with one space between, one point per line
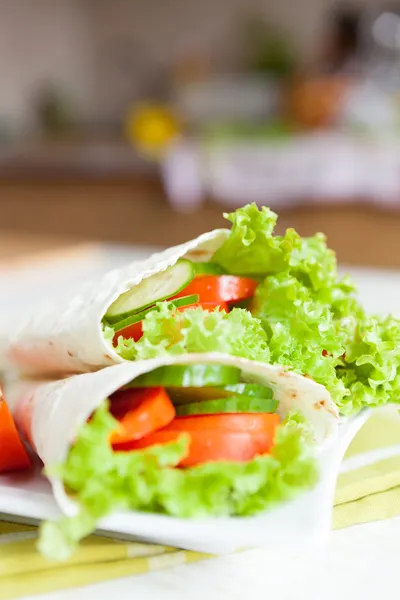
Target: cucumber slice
151 290
136 317
208 268
234 404
188 376
253 390
186 395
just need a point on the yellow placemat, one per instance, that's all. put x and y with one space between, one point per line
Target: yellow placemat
24 572
368 491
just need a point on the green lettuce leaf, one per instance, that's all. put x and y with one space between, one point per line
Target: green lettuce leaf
307 311
370 368
301 331
102 481
251 248
167 331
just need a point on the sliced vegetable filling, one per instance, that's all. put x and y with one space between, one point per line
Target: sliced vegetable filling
231 404
188 376
185 395
151 290
208 403
185 285
223 470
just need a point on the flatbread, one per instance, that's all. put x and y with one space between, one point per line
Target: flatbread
50 414
67 338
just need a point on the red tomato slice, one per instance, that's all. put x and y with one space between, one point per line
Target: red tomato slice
239 422
140 412
220 288
13 455
135 331
211 445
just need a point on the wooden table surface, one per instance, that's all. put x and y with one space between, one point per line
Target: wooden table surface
19 249
38 216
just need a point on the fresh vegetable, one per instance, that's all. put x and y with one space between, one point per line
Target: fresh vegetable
255 390
140 412
166 331
370 367
245 423
310 315
233 404
153 289
13 456
188 376
135 330
139 316
131 332
220 288
211 445
301 332
252 249
184 395
210 306
208 268
104 480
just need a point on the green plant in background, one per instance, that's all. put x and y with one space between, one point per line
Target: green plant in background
53 109
270 50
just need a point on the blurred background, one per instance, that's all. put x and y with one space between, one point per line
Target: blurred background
140 121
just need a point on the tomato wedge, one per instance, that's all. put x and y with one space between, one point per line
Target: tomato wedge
140 412
239 422
212 445
135 331
13 455
217 437
220 288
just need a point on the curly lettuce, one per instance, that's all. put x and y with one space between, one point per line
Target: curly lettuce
301 301
102 481
168 331
301 332
251 248
370 368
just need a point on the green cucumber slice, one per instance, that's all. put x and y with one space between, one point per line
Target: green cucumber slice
136 317
186 395
188 376
252 390
234 404
208 268
153 289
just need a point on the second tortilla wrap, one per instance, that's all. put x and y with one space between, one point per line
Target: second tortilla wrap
50 414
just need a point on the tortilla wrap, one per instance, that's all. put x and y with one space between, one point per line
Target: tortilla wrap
67 338
50 414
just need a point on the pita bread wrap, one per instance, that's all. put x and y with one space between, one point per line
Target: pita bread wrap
50 414
67 337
